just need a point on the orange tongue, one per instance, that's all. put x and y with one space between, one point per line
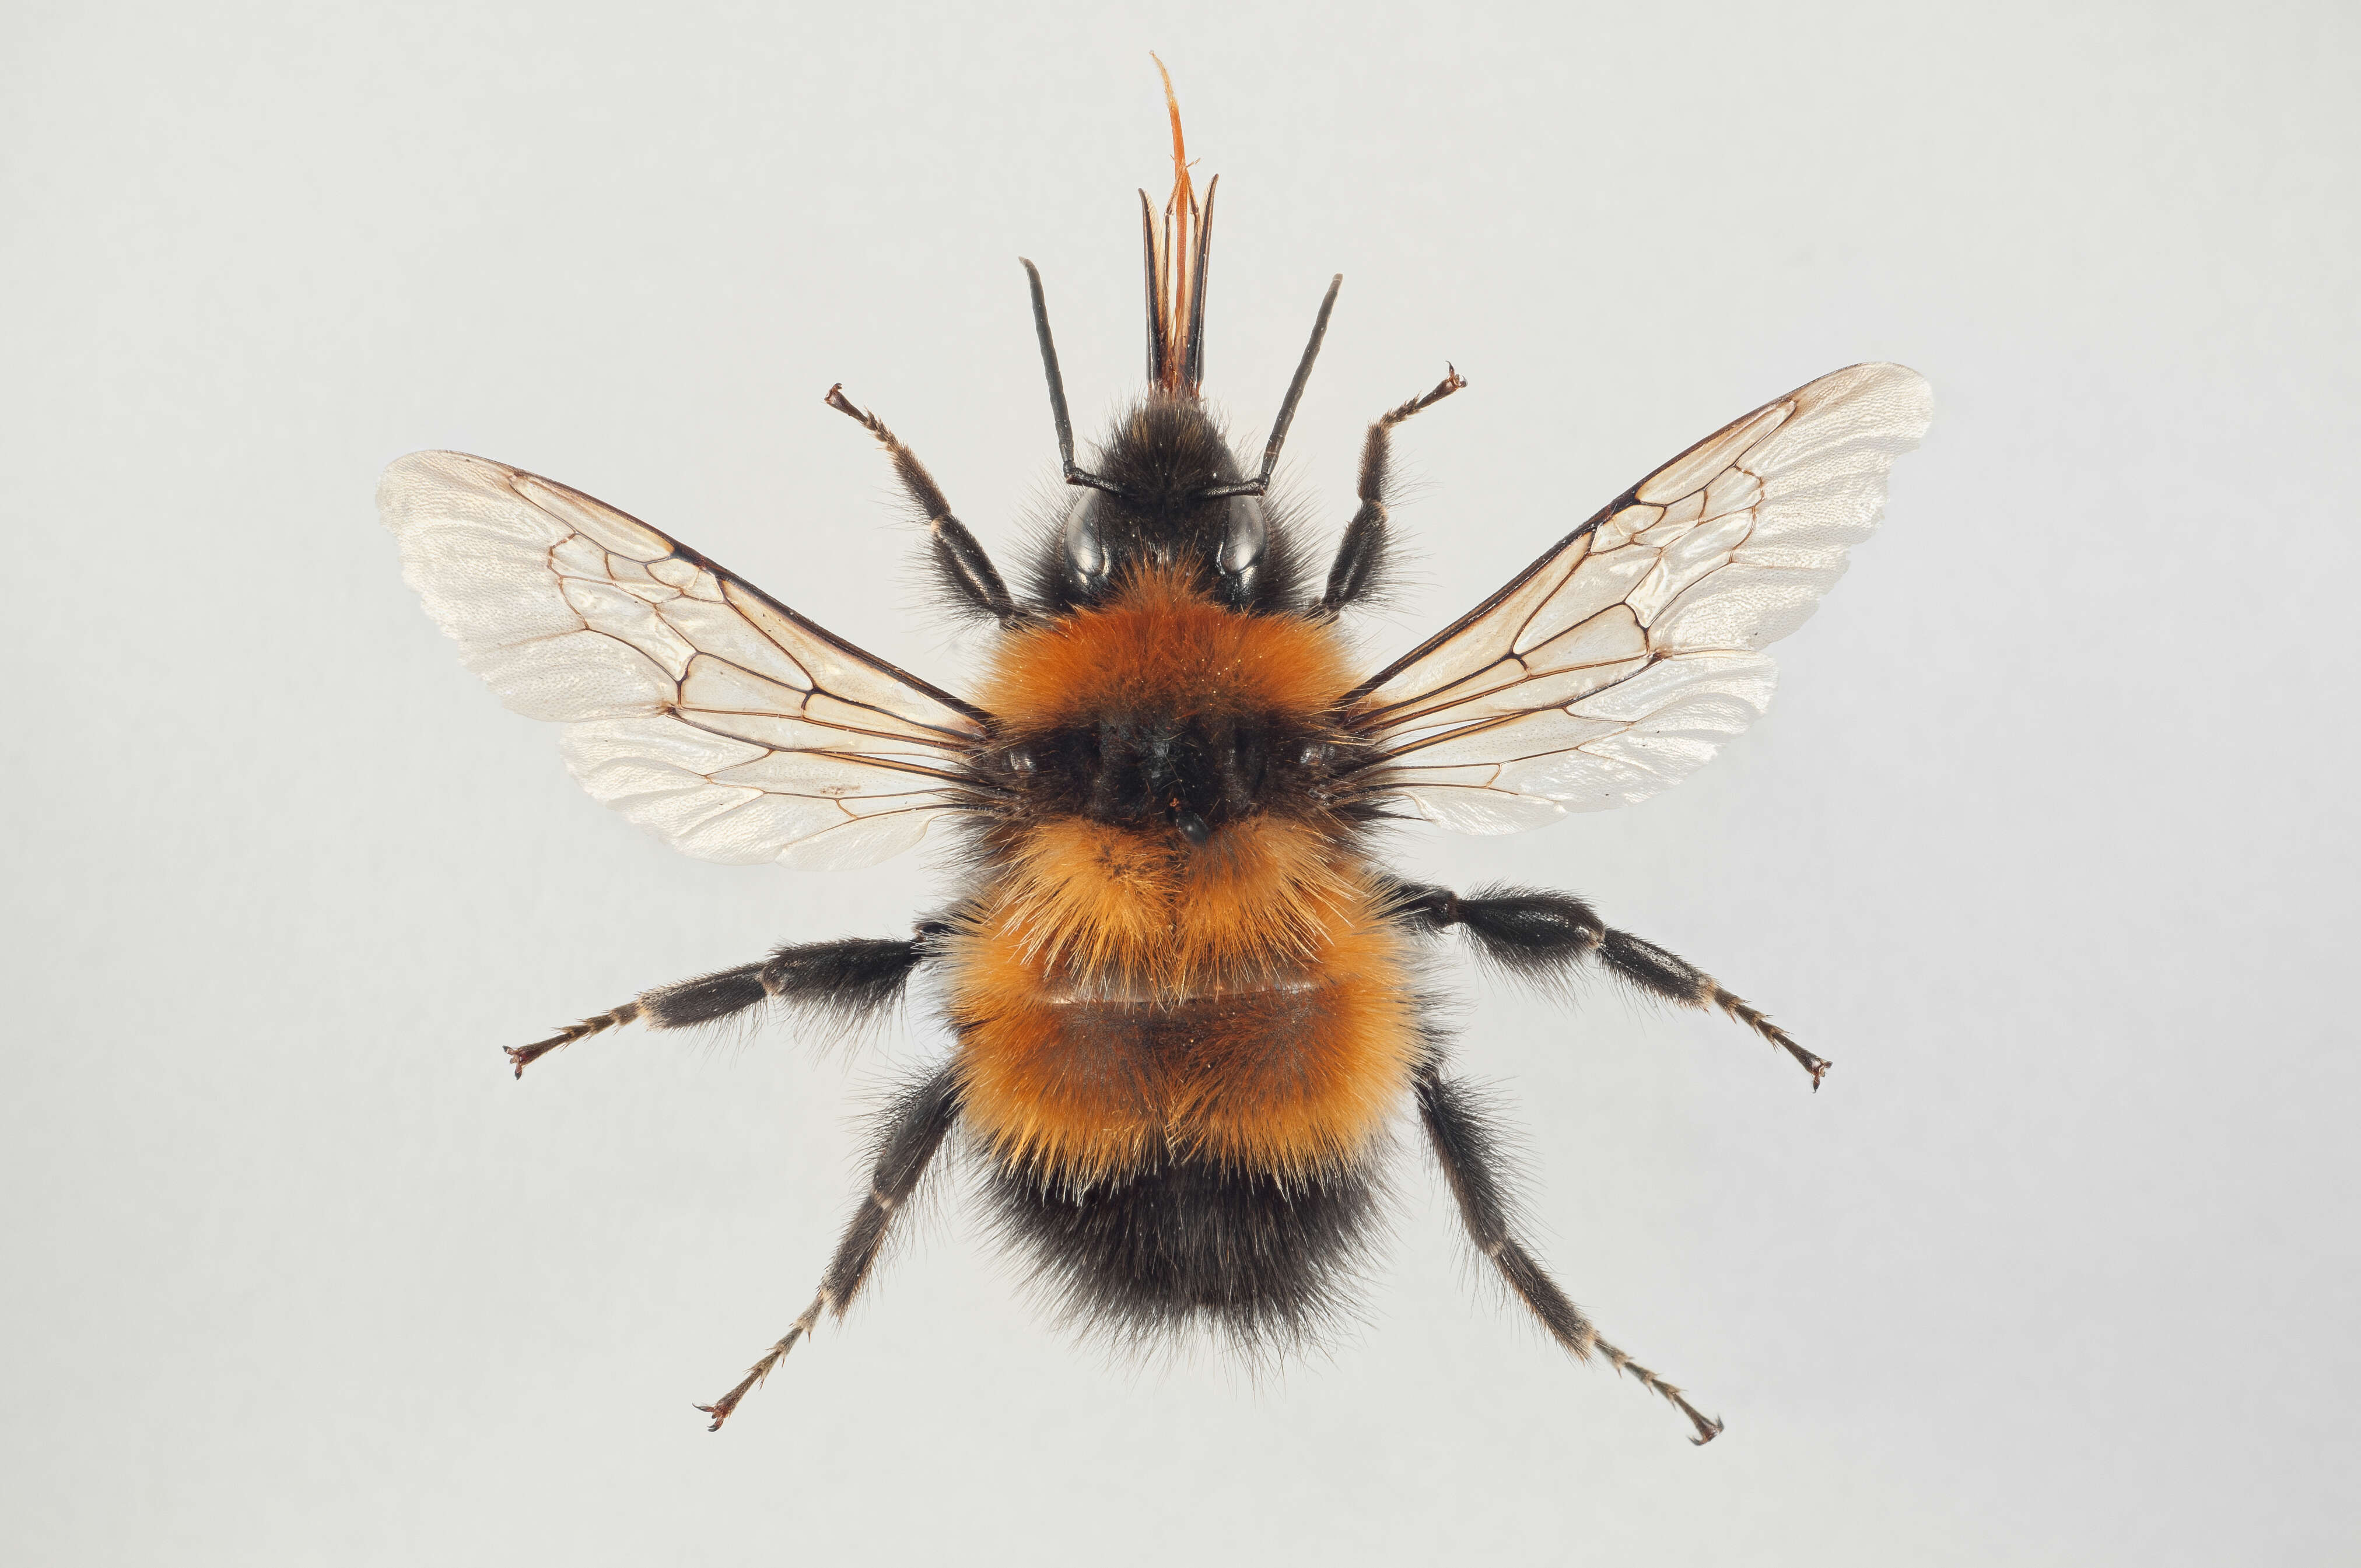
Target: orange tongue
1175 263
1180 209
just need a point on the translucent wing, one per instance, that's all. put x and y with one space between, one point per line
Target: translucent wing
1616 665
694 703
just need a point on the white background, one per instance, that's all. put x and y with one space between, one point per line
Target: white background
2046 840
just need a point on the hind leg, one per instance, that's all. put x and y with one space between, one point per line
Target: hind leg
907 1145
1468 1150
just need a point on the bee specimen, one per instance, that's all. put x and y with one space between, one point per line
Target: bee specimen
1187 1000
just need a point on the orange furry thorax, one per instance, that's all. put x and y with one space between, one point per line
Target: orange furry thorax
1162 646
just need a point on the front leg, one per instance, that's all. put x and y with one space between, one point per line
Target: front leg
1359 568
1541 935
968 573
838 984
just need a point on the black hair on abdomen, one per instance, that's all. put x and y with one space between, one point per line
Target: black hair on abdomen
1264 1264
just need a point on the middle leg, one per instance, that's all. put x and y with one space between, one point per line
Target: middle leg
838 983
1544 935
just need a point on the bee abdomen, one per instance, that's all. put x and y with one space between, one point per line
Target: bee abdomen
1265 1262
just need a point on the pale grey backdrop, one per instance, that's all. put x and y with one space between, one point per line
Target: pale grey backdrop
2046 839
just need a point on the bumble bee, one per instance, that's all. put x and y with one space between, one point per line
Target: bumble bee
1187 998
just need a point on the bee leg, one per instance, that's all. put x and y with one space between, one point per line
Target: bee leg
1542 935
967 571
841 983
1468 1149
907 1138
1359 568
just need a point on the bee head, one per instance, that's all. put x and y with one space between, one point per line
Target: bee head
1166 493
1165 466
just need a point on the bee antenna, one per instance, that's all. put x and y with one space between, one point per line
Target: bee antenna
1261 481
1074 474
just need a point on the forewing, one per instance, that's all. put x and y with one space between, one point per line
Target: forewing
1617 663
693 704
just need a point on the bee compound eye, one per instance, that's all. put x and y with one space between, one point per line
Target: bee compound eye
1085 549
1245 539
1017 760
1247 535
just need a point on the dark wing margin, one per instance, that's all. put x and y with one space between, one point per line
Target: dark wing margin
694 703
1619 662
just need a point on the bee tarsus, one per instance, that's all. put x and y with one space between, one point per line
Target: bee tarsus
1467 1148
522 1057
721 1409
907 1138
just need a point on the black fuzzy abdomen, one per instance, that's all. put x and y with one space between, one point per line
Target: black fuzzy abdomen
1263 1262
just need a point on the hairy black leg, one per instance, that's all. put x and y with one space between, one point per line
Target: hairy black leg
1543 935
1468 1150
838 983
966 569
907 1142
1360 559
